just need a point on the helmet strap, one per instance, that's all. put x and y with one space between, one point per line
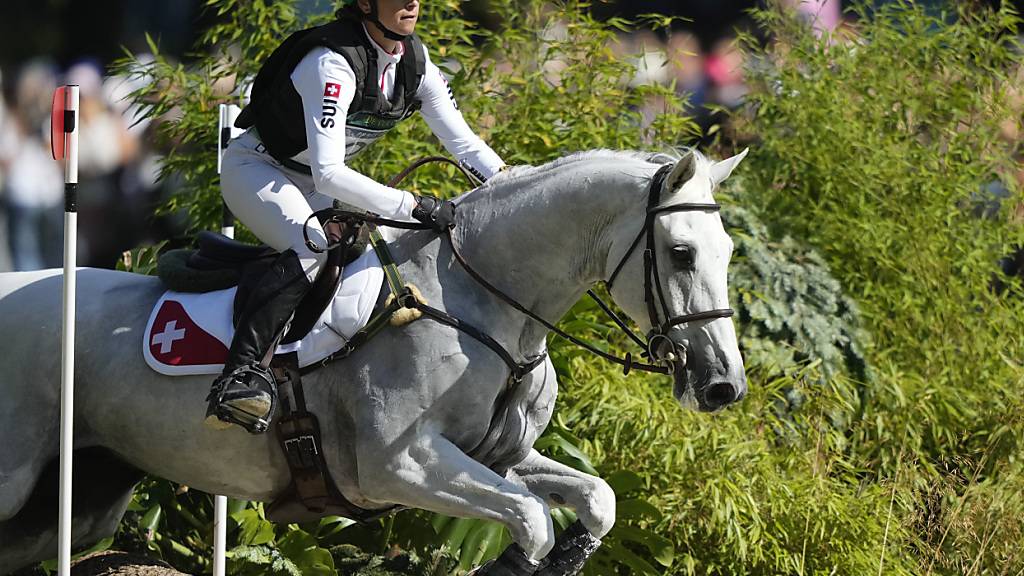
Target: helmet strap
374 17
388 33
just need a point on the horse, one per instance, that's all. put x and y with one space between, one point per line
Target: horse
402 413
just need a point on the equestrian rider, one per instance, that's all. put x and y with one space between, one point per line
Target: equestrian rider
319 99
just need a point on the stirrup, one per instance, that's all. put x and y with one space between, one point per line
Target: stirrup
254 378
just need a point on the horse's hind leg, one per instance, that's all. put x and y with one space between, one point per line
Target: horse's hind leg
102 490
28 439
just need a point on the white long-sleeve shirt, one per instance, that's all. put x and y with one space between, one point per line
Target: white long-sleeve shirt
326 84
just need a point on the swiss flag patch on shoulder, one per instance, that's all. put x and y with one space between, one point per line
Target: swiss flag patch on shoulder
332 89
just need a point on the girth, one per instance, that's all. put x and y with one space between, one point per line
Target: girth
312 492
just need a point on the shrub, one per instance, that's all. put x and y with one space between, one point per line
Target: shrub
877 151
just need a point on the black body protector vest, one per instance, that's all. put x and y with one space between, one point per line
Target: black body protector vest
275 108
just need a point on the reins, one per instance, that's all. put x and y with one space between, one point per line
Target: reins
627 362
470 177
404 298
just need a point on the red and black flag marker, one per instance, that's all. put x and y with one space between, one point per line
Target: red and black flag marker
64 143
64 140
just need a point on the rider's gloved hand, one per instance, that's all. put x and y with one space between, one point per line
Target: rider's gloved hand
438 214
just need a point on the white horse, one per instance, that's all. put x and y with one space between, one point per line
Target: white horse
401 413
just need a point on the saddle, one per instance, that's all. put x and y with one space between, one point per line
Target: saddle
219 263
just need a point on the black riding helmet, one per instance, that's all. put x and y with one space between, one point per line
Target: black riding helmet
351 8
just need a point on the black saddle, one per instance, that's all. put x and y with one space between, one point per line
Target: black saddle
217 251
220 262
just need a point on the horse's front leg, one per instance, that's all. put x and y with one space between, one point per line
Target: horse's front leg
591 498
559 485
434 474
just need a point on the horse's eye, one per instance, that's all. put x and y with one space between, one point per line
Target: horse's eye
685 256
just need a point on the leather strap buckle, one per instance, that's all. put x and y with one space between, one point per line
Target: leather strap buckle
302 452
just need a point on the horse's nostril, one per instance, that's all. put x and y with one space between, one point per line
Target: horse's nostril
719 394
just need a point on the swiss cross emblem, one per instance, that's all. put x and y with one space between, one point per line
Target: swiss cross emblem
176 340
168 337
331 89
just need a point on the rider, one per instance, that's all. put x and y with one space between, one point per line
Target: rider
319 99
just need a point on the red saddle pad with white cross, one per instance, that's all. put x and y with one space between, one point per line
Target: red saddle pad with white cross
189 333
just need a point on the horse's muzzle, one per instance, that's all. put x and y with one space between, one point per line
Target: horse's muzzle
718 395
710 397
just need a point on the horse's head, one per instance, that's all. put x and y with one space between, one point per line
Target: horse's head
669 273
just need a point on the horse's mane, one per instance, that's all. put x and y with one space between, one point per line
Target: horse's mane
517 173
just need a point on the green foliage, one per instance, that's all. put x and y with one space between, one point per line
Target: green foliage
878 152
901 455
755 491
171 523
141 260
186 97
176 524
792 311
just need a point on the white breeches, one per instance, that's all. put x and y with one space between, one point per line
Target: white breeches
273 201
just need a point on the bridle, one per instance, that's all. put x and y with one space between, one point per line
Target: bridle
659 347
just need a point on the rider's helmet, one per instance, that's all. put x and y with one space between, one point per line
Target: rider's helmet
350 9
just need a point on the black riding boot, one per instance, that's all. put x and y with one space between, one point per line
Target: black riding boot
245 393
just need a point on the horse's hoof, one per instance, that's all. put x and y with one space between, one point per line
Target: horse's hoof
512 562
574 546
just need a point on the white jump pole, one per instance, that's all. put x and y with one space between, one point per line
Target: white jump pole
67 374
226 131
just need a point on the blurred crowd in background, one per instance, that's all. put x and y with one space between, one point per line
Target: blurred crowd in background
119 189
117 170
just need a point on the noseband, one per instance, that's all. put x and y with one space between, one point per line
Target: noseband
660 348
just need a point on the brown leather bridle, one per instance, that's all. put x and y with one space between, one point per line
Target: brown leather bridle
659 347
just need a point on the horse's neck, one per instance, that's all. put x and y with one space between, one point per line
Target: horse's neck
544 238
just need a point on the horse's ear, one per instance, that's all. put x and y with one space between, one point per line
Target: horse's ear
681 173
721 170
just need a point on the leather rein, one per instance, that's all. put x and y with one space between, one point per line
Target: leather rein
658 348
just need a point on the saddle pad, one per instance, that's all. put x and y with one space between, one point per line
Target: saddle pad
190 333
